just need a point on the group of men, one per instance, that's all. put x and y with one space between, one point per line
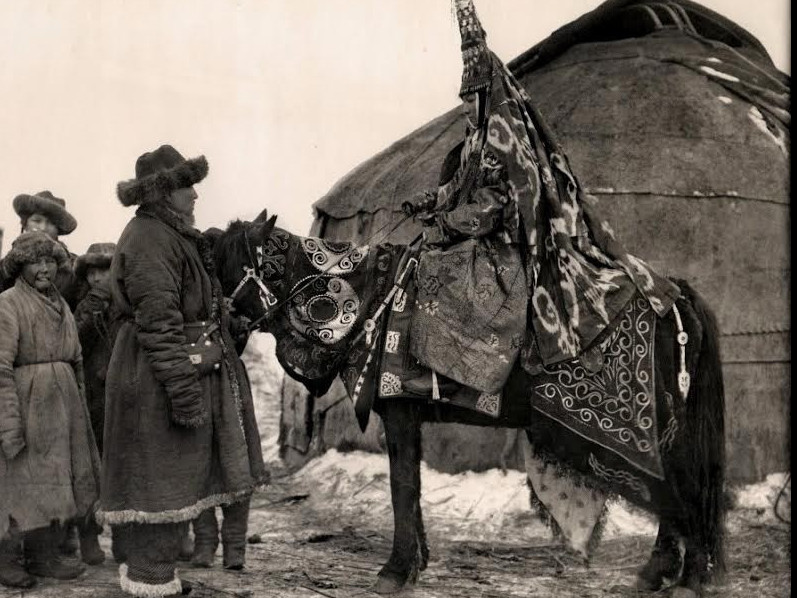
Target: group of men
166 394
509 232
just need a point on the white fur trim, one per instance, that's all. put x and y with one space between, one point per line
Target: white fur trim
174 515
148 590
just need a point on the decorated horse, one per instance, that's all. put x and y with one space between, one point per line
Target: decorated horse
645 421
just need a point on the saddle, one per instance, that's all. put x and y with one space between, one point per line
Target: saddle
607 395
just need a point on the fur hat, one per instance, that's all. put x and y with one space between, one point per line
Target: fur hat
47 204
477 63
158 173
98 255
28 248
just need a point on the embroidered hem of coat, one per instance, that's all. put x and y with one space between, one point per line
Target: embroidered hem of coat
148 590
174 515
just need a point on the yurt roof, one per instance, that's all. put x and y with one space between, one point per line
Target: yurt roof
676 43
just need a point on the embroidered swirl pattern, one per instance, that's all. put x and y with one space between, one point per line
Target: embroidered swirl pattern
333 258
324 310
607 399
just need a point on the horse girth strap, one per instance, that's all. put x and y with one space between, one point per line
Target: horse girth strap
408 263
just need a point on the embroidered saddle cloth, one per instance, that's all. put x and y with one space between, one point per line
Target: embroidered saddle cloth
397 364
607 396
610 401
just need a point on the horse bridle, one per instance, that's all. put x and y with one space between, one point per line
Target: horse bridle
250 273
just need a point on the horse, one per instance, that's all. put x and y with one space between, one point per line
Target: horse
266 274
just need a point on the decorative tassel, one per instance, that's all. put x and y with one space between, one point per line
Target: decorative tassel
684 380
435 387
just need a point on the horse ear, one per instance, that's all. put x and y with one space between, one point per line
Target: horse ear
261 217
263 229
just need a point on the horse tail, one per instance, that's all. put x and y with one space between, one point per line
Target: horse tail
705 413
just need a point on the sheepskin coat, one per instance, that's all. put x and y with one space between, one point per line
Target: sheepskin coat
49 466
156 470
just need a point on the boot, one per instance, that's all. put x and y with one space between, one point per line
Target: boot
69 541
234 557
423 386
42 556
186 545
119 542
233 534
206 539
203 556
90 551
12 573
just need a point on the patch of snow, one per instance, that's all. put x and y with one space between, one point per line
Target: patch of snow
477 503
469 504
713 59
761 495
724 99
718 74
625 520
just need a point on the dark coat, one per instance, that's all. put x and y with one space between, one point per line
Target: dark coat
175 444
93 319
49 467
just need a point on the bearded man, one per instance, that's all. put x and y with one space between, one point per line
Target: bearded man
180 432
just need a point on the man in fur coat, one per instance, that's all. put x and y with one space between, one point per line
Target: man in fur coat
49 467
180 431
44 212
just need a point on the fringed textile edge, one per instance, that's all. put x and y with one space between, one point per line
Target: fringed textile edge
174 515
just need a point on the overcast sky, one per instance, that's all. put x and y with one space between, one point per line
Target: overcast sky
284 97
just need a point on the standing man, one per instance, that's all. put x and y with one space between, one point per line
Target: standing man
180 433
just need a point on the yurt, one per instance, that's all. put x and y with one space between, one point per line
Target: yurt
677 120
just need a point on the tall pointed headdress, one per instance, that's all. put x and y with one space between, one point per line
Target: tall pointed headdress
477 64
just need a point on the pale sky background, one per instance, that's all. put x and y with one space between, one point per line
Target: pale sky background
284 97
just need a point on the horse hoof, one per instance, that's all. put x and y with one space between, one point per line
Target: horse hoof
682 592
387 585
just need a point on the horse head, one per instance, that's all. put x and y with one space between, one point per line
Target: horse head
246 263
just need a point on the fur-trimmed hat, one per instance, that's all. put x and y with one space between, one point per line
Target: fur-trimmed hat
477 62
158 173
98 255
49 205
28 248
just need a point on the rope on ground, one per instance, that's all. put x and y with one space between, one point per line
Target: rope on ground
782 492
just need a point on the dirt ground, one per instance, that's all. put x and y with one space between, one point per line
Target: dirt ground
308 546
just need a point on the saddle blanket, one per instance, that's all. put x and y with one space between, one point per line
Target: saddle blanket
615 406
609 400
397 364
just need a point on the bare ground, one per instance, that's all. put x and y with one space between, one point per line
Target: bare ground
306 547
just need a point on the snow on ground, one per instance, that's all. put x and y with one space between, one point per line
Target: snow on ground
761 495
469 504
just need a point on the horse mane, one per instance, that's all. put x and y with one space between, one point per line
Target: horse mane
230 250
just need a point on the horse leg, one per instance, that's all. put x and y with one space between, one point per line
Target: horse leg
423 547
664 566
402 422
695 466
